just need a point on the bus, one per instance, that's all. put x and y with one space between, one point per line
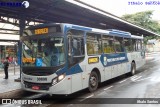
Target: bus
61 58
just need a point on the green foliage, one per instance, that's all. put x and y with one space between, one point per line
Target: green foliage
144 19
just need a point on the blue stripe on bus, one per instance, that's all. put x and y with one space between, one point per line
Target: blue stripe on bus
119 31
74 70
112 59
81 28
62 70
120 34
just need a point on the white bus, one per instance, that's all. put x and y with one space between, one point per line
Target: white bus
65 58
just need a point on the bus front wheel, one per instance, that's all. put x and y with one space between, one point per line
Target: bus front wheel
133 68
93 81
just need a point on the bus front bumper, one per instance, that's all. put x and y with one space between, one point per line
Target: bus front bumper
62 87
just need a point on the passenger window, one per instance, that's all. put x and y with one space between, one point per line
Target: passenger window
139 45
78 46
127 44
118 43
108 46
94 43
133 45
75 46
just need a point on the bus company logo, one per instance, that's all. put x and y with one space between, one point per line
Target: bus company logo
24 4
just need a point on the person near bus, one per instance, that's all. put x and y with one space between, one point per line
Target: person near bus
6 65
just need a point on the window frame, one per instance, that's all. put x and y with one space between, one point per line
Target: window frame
101 47
121 44
109 47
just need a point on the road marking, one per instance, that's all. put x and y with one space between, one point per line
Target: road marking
122 81
108 88
143 79
136 78
133 77
87 97
90 96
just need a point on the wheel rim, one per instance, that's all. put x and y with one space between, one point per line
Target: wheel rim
93 81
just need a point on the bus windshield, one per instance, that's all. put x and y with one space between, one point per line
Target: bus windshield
43 52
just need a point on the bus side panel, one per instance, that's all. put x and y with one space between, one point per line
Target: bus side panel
98 65
140 60
115 64
120 69
108 71
85 75
113 70
124 68
137 57
76 82
129 62
63 87
76 77
117 70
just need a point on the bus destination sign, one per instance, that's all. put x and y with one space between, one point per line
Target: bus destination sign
41 31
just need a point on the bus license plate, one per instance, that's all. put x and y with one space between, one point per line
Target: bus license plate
35 87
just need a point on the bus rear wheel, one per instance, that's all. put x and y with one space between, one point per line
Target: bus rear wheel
133 68
93 81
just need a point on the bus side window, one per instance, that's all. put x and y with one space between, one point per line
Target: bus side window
133 45
127 44
75 46
139 45
94 43
118 43
108 44
78 47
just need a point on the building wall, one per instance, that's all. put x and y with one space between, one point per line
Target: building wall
154 47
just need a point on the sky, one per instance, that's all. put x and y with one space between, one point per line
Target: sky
121 7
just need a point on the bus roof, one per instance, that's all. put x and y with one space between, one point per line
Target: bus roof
112 32
136 37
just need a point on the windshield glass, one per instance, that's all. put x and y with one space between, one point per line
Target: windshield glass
43 52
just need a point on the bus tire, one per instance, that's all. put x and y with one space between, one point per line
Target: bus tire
93 81
133 68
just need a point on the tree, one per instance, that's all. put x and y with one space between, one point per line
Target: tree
144 19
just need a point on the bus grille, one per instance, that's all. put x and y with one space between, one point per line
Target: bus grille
42 86
38 73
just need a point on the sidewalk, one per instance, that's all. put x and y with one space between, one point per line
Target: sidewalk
8 87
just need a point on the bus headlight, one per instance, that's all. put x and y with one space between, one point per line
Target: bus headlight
61 77
58 79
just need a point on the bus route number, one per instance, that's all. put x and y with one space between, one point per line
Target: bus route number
41 31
